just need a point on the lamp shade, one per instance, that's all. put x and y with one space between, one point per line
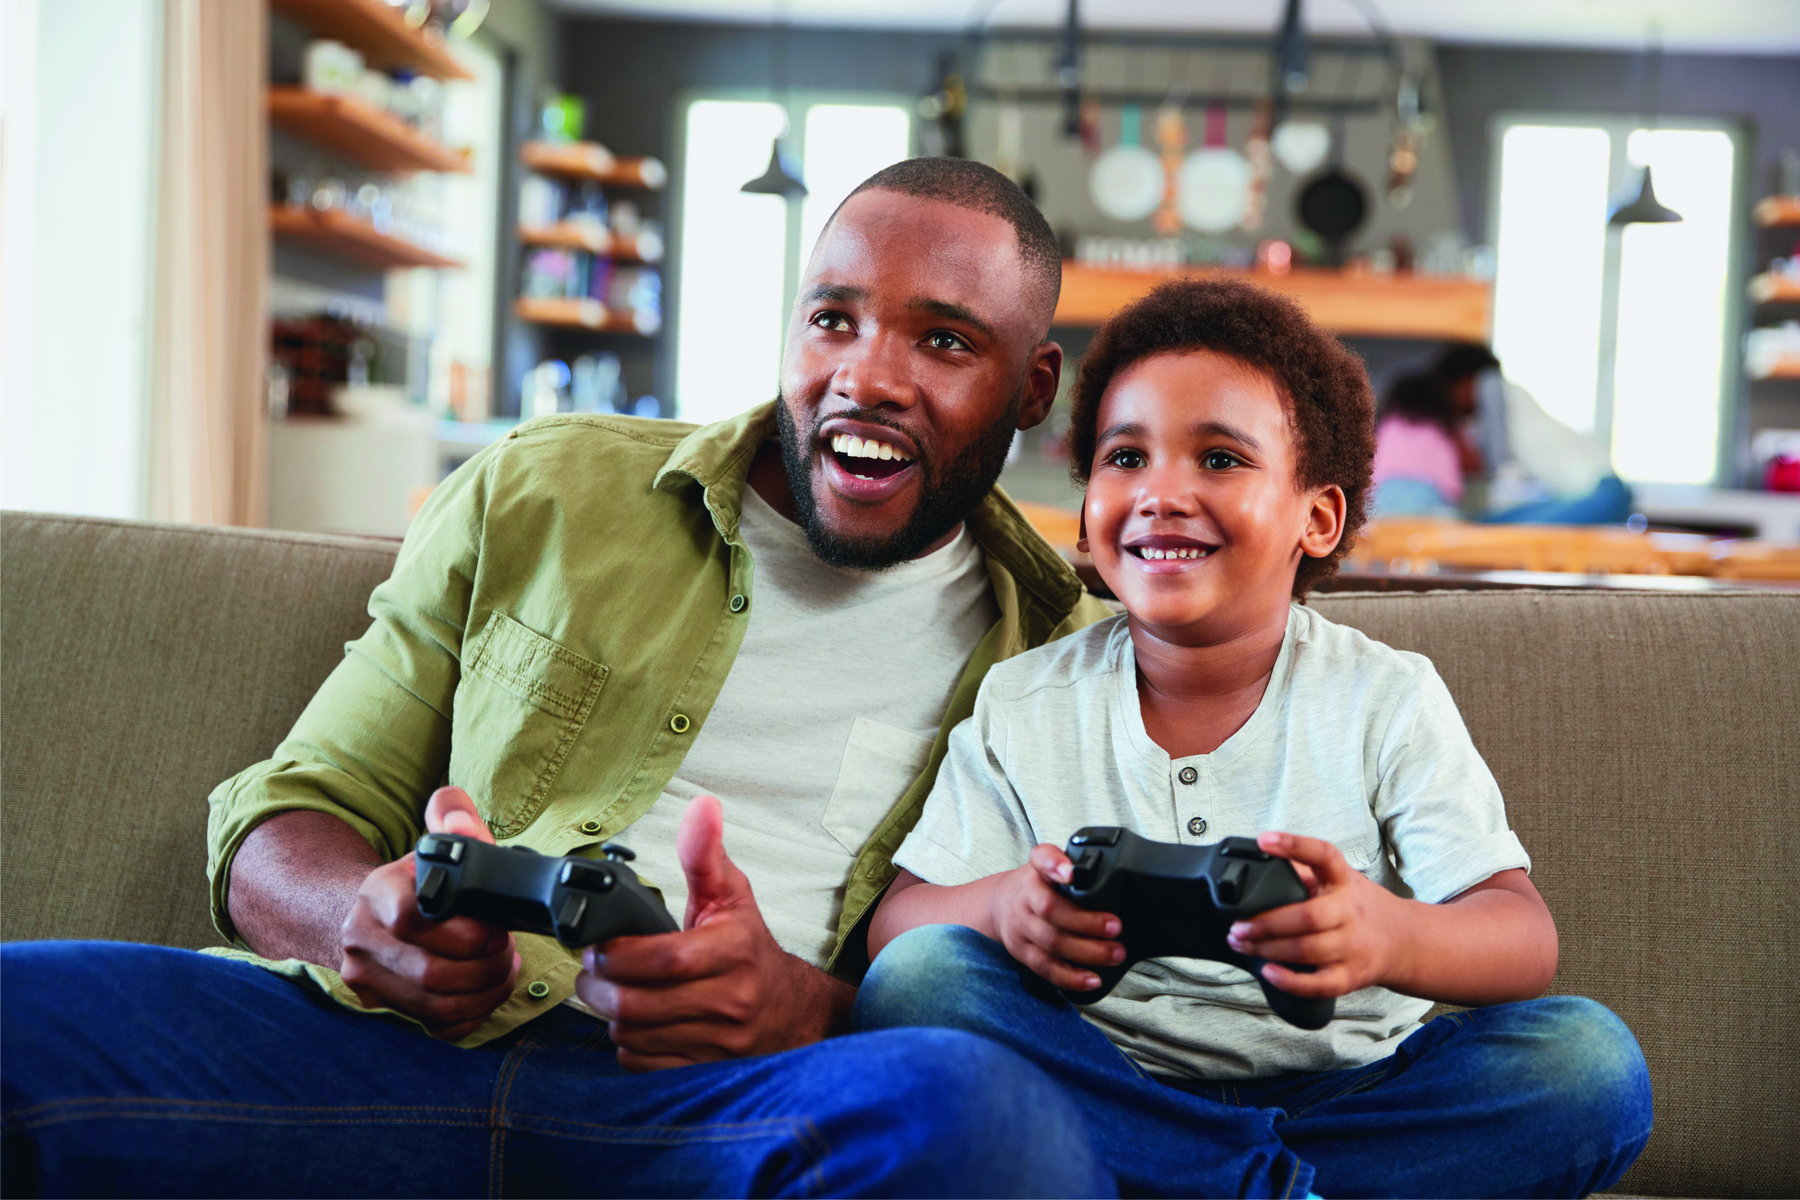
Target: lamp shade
781 179
1644 209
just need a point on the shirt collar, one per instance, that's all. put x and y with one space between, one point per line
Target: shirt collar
718 458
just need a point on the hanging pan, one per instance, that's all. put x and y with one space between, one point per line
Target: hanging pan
1334 203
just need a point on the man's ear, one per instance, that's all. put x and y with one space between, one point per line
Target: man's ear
1043 372
1324 522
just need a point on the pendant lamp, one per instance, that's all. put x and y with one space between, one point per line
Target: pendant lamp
1644 208
783 176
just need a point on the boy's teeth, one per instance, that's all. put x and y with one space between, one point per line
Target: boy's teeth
852 446
1183 552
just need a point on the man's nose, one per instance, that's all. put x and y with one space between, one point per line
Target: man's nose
873 373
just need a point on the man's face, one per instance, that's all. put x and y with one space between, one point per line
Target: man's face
912 356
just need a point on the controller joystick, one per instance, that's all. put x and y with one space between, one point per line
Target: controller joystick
577 901
1177 901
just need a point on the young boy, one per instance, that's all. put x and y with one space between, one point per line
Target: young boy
1226 444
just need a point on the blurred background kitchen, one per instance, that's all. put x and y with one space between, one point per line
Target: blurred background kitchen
288 264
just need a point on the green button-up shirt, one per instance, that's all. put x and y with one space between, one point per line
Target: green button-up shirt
558 625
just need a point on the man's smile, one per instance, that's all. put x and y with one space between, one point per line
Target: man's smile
866 462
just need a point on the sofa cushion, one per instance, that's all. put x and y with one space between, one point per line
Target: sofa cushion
142 665
1648 746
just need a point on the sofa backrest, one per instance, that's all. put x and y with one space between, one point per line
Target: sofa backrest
140 665
1648 745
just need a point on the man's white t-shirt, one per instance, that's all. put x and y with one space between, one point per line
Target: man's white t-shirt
826 718
1353 742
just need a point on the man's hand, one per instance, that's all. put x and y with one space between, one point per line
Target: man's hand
1348 929
449 974
721 988
1047 931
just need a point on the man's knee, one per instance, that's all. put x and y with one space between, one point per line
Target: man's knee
932 975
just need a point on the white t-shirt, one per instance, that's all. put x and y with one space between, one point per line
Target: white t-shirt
826 718
1353 742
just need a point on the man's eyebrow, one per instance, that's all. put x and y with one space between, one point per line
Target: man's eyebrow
951 312
836 292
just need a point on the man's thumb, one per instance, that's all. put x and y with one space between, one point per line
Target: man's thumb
712 878
450 810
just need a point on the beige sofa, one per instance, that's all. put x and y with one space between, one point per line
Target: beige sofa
1648 745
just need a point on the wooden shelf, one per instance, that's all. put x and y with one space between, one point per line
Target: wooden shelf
1428 307
589 161
360 132
1783 368
342 236
584 314
1774 289
376 29
575 235
1778 210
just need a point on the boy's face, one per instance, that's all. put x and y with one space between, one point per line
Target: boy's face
1193 516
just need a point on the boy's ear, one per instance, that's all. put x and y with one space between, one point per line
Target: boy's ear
1081 531
1324 522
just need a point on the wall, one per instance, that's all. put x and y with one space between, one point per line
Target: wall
76 315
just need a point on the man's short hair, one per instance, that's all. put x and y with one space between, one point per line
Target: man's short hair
977 186
1324 387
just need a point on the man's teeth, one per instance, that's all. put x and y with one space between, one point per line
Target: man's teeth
851 446
1182 552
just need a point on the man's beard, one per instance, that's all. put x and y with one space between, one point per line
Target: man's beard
948 492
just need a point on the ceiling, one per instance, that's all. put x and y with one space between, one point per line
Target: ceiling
1699 26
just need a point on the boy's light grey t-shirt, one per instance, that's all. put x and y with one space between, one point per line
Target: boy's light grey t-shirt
1353 742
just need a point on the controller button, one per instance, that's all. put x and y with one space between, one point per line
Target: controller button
432 886
440 849
537 989
584 877
591 827
1242 848
1197 826
1231 882
1097 835
1083 870
573 909
617 852
1188 775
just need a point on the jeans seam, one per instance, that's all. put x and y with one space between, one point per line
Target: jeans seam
26 1117
167 1110
497 1115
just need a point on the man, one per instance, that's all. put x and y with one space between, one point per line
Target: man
591 627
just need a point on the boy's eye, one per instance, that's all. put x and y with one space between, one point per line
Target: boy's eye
944 340
837 322
1219 460
1125 459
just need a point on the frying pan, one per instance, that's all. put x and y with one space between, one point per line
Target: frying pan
1335 203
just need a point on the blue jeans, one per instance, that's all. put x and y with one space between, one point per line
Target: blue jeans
140 1070
1543 1098
1608 504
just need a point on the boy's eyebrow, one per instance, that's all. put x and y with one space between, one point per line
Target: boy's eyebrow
1122 429
1200 429
951 312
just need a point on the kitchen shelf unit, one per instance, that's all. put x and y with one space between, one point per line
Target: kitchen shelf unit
361 132
587 161
351 239
1777 211
378 31
1774 289
1358 304
583 313
575 235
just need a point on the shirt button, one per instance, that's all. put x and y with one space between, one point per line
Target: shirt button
1188 775
679 723
1197 826
740 602
591 827
537 989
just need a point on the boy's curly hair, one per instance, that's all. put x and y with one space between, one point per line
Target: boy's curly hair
1324 386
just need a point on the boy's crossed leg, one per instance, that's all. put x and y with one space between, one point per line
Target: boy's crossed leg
1541 1098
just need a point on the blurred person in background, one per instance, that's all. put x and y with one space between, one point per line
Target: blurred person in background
1544 472
1421 450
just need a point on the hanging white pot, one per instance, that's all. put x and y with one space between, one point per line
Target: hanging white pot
1127 181
1212 191
1301 146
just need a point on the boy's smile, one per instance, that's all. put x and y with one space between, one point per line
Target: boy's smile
1193 515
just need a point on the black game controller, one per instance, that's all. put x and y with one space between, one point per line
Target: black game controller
1179 902
577 901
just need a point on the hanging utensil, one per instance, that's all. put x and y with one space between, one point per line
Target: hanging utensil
1213 186
1171 139
1300 146
1257 153
1334 204
1127 180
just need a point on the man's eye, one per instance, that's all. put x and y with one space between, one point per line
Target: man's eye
1127 460
1220 460
837 322
941 340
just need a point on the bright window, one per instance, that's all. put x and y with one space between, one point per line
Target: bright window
742 255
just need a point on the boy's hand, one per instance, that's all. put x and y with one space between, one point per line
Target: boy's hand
1047 931
1347 930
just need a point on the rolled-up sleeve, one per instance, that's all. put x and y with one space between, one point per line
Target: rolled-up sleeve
375 739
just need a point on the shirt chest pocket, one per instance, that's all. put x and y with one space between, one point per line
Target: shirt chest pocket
880 762
519 707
